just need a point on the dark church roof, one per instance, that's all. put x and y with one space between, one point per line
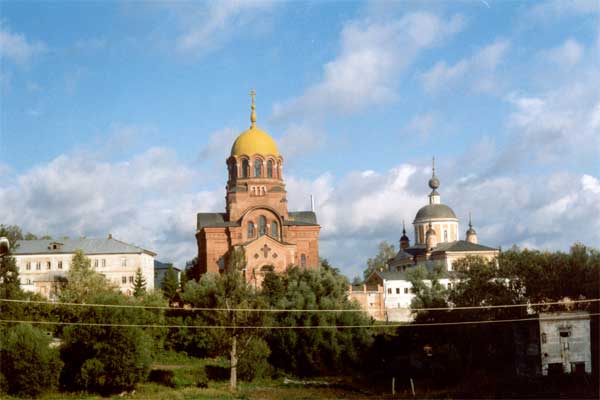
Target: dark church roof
213 220
301 218
219 220
461 245
434 211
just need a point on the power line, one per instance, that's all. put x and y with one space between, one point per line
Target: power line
273 327
298 310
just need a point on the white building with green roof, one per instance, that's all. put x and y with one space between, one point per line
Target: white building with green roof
43 263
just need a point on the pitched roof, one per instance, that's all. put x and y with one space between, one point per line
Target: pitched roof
213 220
88 246
461 246
301 218
161 265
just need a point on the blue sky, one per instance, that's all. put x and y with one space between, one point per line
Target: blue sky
118 116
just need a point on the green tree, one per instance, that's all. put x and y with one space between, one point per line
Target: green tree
82 281
10 286
380 261
107 359
12 233
170 283
307 352
28 364
139 285
428 291
230 292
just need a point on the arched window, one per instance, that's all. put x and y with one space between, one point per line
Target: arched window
257 167
274 230
234 170
445 236
245 168
262 225
250 230
269 169
303 260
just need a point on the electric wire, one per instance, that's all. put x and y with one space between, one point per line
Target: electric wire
275 327
300 310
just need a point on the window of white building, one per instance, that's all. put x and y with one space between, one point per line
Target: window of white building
96 263
103 262
38 265
405 290
60 265
48 265
123 279
28 265
123 262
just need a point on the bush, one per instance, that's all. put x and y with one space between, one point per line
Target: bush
27 363
105 360
201 378
254 362
217 372
162 376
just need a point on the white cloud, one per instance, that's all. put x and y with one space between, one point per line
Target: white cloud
590 184
209 25
146 200
16 47
421 124
477 70
300 140
219 144
372 55
566 55
557 124
549 10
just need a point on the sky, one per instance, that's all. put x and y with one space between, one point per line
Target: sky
117 117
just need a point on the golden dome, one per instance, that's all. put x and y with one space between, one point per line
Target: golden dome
254 140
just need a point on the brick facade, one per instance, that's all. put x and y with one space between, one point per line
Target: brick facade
257 218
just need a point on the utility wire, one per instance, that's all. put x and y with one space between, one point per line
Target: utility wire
296 310
404 325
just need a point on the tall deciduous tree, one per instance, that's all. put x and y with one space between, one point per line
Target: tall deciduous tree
83 281
380 261
10 286
229 292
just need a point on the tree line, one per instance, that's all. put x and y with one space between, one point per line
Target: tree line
113 356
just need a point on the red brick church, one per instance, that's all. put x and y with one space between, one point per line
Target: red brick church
256 218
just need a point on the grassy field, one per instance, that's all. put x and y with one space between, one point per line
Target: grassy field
185 369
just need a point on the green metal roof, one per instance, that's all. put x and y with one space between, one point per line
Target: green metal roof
431 211
88 246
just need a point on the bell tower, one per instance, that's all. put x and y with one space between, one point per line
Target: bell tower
255 172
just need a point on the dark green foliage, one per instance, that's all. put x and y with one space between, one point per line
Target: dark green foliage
217 372
106 359
164 377
254 363
139 285
29 366
170 284
201 378
308 352
9 274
